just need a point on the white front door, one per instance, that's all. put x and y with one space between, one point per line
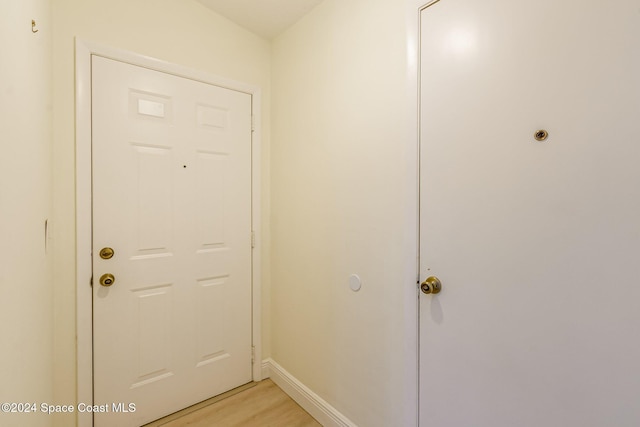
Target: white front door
172 198
536 243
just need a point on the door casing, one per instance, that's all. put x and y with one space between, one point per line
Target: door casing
84 352
412 293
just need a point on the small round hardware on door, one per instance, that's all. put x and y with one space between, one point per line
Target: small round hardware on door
106 253
541 135
107 279
431 286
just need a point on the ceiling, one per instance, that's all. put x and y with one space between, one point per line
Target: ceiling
267 18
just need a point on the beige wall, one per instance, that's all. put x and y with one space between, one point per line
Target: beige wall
25 204
178 31
343 201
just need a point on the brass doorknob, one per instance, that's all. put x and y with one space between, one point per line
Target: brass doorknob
432 285
107 279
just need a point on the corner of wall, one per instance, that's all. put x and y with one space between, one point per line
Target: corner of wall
319 409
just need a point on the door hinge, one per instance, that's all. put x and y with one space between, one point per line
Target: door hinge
91 282
253 354
253 239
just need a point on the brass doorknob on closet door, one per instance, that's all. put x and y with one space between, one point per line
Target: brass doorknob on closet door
432 285
107 279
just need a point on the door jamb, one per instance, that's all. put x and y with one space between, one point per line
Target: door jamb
414 60
84 310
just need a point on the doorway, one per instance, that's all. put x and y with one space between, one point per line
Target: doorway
209 116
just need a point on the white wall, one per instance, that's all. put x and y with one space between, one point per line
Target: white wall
179 31
344 201
25 204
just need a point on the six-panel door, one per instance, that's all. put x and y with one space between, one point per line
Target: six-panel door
172 197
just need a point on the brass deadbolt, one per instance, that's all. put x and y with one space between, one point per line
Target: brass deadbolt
107 279
431 286
106 253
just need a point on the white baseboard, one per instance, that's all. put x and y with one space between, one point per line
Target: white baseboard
266 371
319 409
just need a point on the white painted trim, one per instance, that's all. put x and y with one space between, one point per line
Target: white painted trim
84 309
414 20
319 409
84 318
411 372
266 369
256 221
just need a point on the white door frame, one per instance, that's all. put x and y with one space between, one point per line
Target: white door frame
413 22
84 294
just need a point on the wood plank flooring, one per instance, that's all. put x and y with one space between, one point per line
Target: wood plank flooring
264 405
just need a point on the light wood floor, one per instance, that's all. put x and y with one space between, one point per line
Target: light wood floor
263 405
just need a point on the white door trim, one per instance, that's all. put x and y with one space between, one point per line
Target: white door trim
413 22
84 316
